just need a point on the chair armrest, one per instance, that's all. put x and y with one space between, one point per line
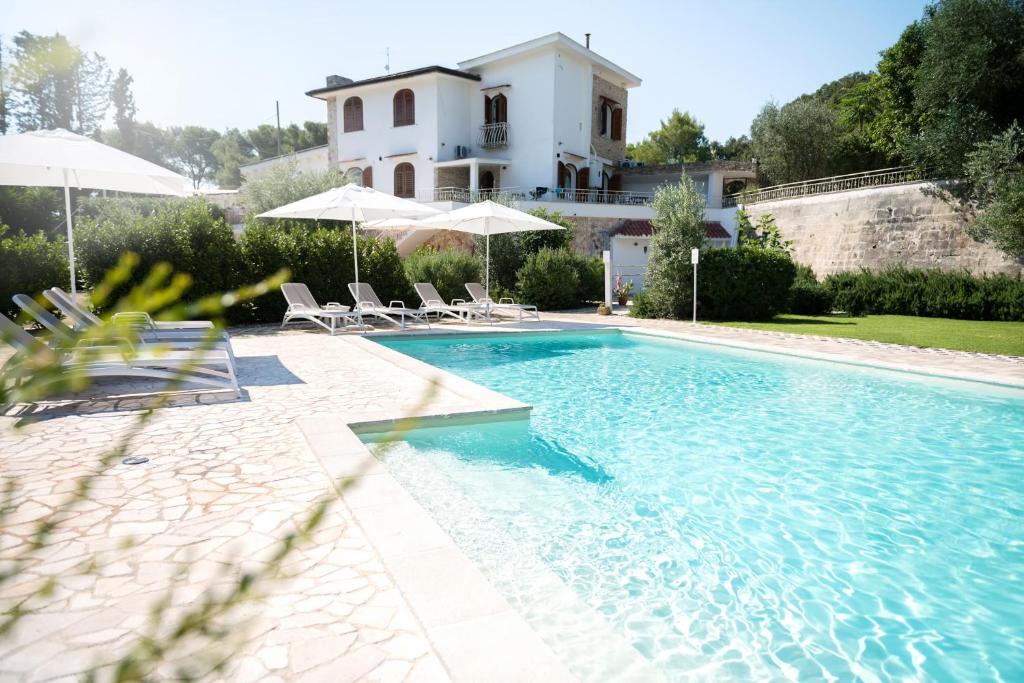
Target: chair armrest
366 304
391 304
506 300
458 302
334 304
135 317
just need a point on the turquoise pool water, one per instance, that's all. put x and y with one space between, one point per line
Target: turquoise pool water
734 515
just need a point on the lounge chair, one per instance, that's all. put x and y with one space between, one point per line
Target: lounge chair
505 304
368 304
64 337
458 308
210 368
302 306
148 329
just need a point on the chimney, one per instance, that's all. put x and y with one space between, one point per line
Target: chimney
335 81
588 40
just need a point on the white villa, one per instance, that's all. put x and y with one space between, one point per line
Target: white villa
543 122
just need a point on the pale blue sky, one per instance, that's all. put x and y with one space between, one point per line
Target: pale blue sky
223 63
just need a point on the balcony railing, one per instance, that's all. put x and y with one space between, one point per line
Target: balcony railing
494 135
510 195
841 183
593 196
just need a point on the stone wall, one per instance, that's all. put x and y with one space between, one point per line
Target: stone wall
606 147
451 176
878 227
591 235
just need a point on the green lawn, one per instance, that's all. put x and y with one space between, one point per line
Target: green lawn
963 335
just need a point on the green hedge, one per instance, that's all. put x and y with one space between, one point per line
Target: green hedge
746 283
448 270
319 255
555 279
28 265
807 296
928 293
191 235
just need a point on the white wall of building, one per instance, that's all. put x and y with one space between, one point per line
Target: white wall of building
313 159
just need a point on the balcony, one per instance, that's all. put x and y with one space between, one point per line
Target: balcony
463 195
494 135
594 196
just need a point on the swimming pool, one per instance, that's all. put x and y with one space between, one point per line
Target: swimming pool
737 515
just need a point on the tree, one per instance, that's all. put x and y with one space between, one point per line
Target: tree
678 227
124 110
56 85
680 139
970 82
994 187
895 122
190 152
285 184
796 141
231 150
737 149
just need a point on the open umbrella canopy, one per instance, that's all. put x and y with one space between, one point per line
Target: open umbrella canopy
60 158
351 203
482 218
55 158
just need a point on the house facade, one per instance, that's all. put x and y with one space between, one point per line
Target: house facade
541 123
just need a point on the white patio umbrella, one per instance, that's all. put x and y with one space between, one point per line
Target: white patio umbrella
351 203
59 158
482 218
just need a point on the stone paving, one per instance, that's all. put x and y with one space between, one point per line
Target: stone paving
228 478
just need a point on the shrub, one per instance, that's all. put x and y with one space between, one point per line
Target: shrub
678 227
285 184
509 251
807 296
550 279
743 283
28 265
929 293
448 270
191 235
319 255
591 279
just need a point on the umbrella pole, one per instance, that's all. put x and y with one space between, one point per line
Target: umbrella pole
487 268
71 239
355 253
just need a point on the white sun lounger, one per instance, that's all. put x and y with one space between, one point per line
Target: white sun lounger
458 308
149 330
368 304
210 368
64 337
507 304
302 306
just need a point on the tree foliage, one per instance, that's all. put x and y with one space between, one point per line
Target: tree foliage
285 184
678 227
994 184
54 84
680 139
795 141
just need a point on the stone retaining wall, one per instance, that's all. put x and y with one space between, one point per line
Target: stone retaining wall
879 227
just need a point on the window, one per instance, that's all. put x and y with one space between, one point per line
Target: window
496 109
405 108
566 176
617 123
606 118
353 114
354 176
405 181
368 176
486 180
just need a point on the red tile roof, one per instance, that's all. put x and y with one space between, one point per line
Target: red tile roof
638 228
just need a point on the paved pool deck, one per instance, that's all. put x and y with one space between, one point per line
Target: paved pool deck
380 592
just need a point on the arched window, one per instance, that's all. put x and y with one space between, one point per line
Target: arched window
583 179
405 108
368 176
405 181
487 180
496 109
353 114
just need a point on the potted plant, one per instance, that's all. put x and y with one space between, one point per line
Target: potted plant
603 309
623 293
